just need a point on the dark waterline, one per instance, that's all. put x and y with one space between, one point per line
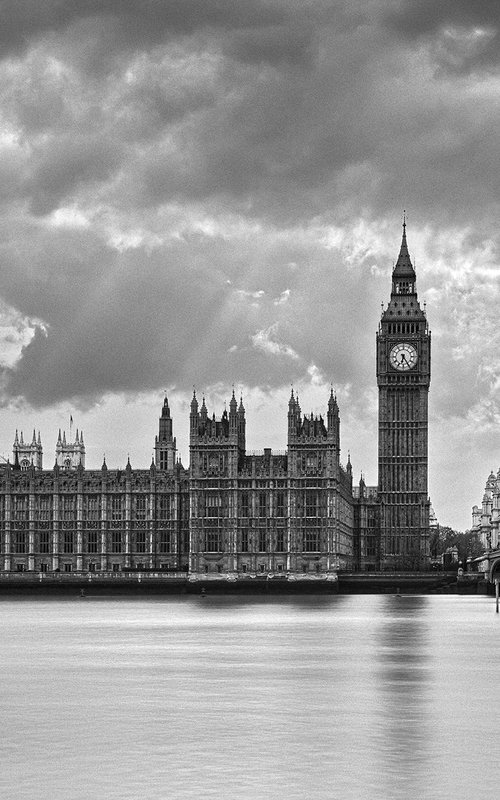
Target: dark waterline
366 696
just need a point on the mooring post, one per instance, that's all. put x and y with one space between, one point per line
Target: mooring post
496 593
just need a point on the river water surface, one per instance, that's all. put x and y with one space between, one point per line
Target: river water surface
305 698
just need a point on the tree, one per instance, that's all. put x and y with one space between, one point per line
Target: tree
467 543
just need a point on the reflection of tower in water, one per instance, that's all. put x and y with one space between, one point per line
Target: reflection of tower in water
402 744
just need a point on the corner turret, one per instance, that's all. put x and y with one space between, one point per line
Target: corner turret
165 443
28 455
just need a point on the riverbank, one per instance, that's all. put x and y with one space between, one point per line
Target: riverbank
86 584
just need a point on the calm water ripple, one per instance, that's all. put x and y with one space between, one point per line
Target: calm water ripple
290 698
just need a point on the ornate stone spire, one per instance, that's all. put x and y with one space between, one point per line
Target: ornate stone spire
404 268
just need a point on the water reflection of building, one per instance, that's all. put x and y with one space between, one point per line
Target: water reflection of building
233 512
404 691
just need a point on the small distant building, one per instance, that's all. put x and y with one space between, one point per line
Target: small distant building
486 517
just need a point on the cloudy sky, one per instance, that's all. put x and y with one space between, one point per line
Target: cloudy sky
210 192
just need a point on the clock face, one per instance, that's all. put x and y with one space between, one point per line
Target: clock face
403 356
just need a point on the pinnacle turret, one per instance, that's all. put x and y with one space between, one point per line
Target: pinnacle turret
403 269
404 300
165 412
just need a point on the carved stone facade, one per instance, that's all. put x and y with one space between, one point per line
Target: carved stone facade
269 513
486 517
403 377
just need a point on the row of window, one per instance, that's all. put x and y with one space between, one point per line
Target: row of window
310 504
91 508
262 542
92 566
404 327
401 545
116 542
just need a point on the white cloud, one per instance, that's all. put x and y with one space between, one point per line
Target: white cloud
263 340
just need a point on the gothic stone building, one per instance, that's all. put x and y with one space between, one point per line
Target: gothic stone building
486 517
233 513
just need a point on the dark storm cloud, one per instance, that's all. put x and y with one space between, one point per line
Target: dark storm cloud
191 144
465 35
57 173
145 24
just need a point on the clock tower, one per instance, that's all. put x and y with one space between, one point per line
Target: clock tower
403 377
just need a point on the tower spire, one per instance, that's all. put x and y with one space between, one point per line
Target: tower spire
403 268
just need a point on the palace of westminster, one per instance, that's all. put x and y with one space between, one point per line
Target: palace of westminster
231 514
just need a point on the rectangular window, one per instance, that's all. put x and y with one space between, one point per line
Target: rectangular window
116 507
93 542
311 540
140 507
21 542
371 546
280 541
213 541
20 507
213 505
44 567
116 542
244 540
67 567
140 541
115 567
44 541
92 566
68 508
244 504
164 505
68 543
262 542
262 504
280 504
92 507
164 542
311 503
44 508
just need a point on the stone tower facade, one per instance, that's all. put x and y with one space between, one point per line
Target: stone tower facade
70 455
268 513
403 377
165 443
27 454
320 490
217 450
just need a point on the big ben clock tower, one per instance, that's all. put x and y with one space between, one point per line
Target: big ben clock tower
403 377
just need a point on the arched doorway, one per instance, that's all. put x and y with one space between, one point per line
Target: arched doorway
495 570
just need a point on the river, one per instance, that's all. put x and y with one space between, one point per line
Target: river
285 698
